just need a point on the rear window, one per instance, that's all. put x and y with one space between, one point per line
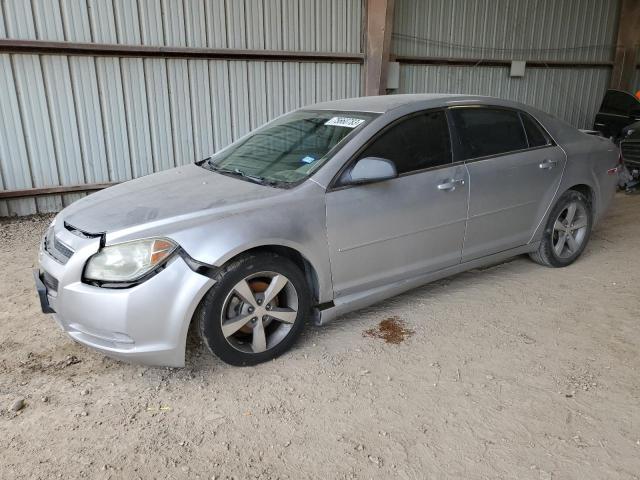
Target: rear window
488 131
536 136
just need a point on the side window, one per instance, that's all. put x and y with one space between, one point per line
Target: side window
487 131
536 136
419 142
618 103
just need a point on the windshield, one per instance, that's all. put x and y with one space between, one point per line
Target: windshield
288 149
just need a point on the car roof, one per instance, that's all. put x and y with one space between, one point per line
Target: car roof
384 103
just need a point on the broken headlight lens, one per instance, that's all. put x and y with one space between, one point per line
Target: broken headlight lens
126 262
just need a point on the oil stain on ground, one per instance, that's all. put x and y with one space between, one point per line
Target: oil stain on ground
391 330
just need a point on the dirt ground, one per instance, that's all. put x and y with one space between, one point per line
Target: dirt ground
513 372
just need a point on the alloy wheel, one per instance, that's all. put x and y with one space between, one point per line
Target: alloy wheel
570 230
259 312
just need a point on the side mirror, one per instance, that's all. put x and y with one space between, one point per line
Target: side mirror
371 169
635 114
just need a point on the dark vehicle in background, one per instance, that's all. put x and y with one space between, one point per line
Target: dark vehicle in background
618 110
630 148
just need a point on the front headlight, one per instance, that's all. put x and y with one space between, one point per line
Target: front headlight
128 261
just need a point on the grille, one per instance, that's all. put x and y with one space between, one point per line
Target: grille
631 151
50 282
62 248
58 250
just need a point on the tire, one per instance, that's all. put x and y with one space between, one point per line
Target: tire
228 303
578 229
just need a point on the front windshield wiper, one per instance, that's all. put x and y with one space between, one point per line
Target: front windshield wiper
239 173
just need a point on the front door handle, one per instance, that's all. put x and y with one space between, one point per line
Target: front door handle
450 185
548 164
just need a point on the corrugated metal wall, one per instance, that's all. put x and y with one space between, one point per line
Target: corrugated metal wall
307 25
68 120
567 30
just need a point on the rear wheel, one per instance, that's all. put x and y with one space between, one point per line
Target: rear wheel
256 309
567 232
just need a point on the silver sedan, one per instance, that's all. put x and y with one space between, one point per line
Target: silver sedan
324 210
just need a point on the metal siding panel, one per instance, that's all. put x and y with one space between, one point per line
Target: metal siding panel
307 25
127 22
179 99
216 21
338 81
137 114
48 20
32 97
307 83
257 94
202 125
355 83
220 103
19 20
291 82
3 32
89 115
339 18
195 22
64 124
173 21
152 31
506 29
75 20
573 95
275 87
236 24
14 158
254 18
114 118
159 107
290 16
102 19
323 25
323 82
239 86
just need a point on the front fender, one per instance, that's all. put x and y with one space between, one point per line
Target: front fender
296 219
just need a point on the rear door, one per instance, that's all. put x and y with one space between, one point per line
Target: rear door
615 112
402 227
514 172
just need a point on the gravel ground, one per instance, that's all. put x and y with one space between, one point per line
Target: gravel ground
513 372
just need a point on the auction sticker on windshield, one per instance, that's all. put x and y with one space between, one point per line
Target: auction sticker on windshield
344 122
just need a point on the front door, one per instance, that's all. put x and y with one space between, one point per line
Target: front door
514 173
402 227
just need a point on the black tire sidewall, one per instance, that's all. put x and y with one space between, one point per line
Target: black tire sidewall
210 327
550 254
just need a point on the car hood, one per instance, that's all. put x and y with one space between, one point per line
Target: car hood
171 193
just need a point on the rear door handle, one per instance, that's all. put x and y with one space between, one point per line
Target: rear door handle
450 185
548 164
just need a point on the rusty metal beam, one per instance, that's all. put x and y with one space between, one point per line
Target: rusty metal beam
378 44
34 192
627 45
112 50
497 63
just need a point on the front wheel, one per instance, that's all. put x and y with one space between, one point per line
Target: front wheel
567 231
256 309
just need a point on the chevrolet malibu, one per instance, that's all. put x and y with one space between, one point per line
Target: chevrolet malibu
322 211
